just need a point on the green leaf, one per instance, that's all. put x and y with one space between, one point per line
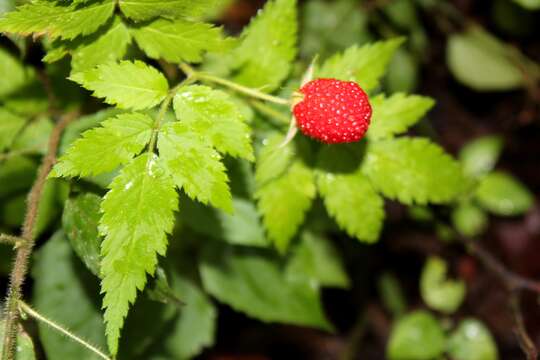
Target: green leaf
109 47
103 149
194 327
403 73
34 138
529 4
25 346
480 155
215 115
66 293
125 84
139 10
138 213
179 40
256 285
10 127
268 46
472 341
413 170
353 203
365 65
391 294
284 202
475 55
439 292
469 219
14 74
273 159
502 194
67 22
317 261
80 223
194 165
394 115
417 336
17 173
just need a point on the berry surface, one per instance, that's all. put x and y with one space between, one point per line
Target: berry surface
333 111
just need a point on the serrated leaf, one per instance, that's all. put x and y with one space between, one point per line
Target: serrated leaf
284 201
25 346
413 170
14 74
102 149
47 18
194 165
214 114
138 213
351 200
438 292
502 194
65 292
80 224
140 10
268 46
317 261
394 115
365 65
418 336
256 285
472 340
475 55
480 155
109 47
125 84
10 126
179 40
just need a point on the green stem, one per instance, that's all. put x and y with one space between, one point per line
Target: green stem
10 240
33 313
190 72
269 111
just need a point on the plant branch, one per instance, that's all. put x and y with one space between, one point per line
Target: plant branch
269 111
10 240
33 313
525 342
24 250
254 93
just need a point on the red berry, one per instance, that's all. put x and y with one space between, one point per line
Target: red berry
333 111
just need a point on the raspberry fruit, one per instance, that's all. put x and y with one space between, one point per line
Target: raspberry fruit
333 111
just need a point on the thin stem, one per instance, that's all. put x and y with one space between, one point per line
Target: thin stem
33 313
269 111
525 341
10 240
234 86
20 267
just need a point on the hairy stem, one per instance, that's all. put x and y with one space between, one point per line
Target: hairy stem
10 240
33 313
254 93
269 111
26 244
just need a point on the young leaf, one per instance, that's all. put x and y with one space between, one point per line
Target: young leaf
138 213
215 115
68 294
14 75
317 261
109 47
417 335
394 115
439 292
256 285
194 165
502 194
47 18
351 200
365 65
140 10
469 219
10 126
268 46
80 223
102 149
179 40
126 84
480 156
284 202
472 341
413 170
